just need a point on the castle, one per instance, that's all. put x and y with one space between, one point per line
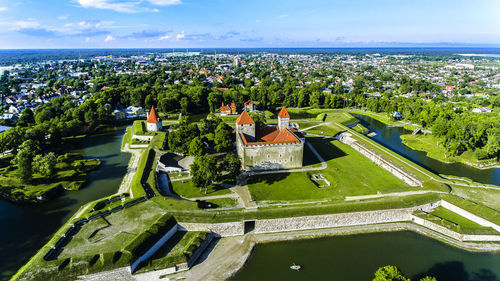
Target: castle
270 147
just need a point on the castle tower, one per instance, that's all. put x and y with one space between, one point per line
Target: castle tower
154 122
245 124
283 119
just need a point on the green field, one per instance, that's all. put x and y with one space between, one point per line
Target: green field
349 173
455 222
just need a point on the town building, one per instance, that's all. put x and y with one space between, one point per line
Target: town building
226 110
153 123
271 147
249 106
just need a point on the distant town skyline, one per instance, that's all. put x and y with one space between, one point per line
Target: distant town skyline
252 24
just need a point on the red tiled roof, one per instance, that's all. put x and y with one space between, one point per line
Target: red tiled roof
273 135
224 107
244 118
153 117
248 102
284 113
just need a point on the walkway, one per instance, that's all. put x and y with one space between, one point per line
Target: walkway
131 169
393 194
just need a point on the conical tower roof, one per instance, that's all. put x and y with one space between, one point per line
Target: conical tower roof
153 117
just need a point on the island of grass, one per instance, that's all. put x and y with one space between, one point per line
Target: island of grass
431 145
70 174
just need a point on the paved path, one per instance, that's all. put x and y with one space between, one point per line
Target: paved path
394 194
131 169
312 127
245 196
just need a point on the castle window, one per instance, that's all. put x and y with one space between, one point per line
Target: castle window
268 156
281 155
291 158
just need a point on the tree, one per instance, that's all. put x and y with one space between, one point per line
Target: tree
232 164
45 165
26 118
223 139
389 273
196 147
24 160
204 171
259 119
392 273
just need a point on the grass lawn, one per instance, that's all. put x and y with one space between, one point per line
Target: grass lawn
382 117
186 188
349 173
99 236
429 143
360 129
158 140
455 222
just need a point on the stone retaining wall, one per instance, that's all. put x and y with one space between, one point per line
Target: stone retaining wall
328 221
155 248
453 234
380 161
139 146
308 222
220 229
142 137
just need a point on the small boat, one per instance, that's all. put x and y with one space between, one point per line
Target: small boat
295 267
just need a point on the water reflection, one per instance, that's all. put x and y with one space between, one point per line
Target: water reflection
390 138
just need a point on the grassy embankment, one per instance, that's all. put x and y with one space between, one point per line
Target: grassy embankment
431 145
455 222
70 174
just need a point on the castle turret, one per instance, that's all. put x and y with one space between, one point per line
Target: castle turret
245 124
283 119
154 122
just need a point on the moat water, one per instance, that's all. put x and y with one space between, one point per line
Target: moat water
357 257
26 228
390 137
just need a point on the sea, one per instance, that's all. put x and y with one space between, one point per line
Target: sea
11 57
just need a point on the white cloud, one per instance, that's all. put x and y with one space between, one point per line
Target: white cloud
127 6
165 2
164 37
124 7
109 38
63 17
283 16
21 24
87 39
180 36
2 9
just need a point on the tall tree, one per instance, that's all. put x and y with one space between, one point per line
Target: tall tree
223 138
204 171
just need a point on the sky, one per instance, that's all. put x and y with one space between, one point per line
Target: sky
32 24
